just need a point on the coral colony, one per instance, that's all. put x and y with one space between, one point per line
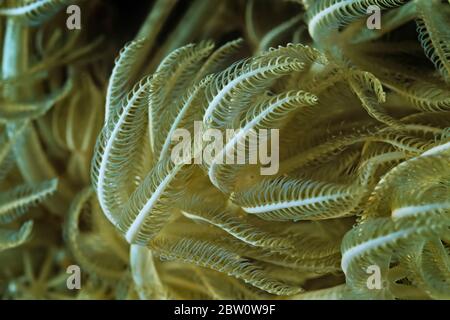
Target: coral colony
230 149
